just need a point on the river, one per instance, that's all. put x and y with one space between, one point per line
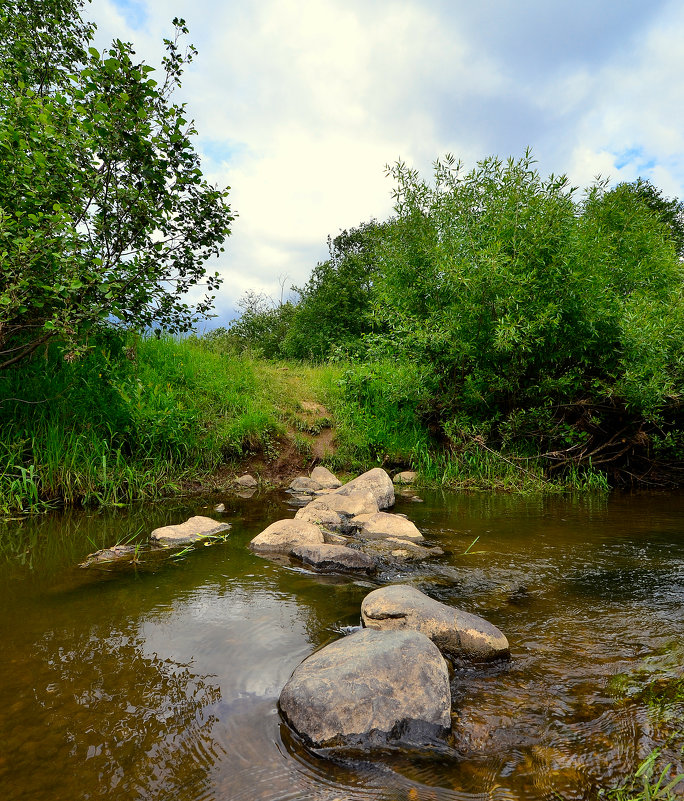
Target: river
160 680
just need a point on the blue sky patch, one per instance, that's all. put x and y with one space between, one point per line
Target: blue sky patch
134 12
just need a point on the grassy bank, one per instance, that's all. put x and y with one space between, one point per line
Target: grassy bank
109 429
138 419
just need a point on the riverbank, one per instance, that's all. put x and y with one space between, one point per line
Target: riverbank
146 417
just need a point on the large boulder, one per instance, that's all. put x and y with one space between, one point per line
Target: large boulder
336 558
382 524
195 529
370 688
375 481
456 633
284 535
325 478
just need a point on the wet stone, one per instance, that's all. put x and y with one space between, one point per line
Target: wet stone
369 689
456 633
284 535
195 529
338 558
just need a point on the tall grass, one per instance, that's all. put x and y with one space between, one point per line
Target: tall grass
110 429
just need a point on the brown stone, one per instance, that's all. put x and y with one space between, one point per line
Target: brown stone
284 535
371 687
456 633
194 529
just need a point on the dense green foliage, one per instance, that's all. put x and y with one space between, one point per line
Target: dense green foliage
105 217
107 429
539 322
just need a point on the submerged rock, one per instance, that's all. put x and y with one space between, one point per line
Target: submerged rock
337 558
375 481
284 535
370 688
456 633
117 553
394 548
195 529
325 478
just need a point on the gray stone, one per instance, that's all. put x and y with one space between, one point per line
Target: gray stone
117 553
336 558
370 688
284 535
382 525
325 478
246 481
304 484
334 539
325 518
393 548
456 633
349 505
375 481
195 529
405 477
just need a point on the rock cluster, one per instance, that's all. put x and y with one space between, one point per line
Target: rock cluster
194 530
349 517
389 682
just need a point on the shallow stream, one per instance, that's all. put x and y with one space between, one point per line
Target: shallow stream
160 681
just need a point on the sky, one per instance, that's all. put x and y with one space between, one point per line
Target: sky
301 104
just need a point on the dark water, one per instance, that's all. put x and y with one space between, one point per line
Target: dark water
160 681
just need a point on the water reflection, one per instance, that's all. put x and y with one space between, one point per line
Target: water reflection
161 681
105 719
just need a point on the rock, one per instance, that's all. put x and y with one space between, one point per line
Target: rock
246 481
195 529
117 553
456 633
400 549
405 477
382 525
370 688
284 535
350 505
325 518
220 507
304 484
337 558
375 481
325 478
335 511
331 538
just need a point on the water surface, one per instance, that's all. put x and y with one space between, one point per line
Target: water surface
160 681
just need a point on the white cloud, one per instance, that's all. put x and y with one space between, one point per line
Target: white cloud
301 103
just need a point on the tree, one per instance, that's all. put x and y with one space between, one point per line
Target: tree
670 211
335 303
105 217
